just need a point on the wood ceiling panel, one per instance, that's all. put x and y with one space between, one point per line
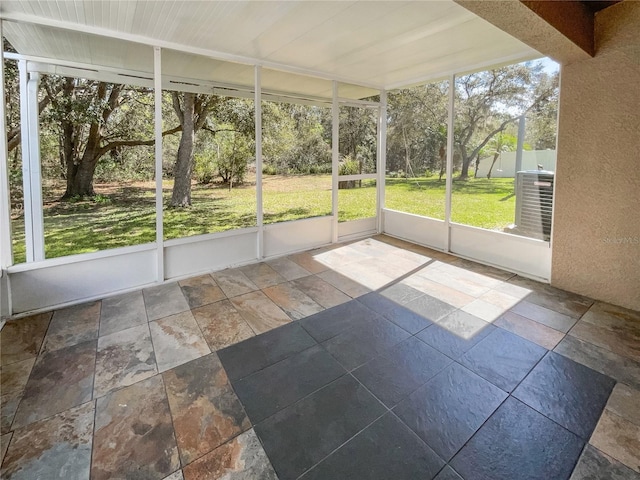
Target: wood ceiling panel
372 43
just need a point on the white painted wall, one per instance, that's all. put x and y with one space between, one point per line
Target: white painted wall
505 166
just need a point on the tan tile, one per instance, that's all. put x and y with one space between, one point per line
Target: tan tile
72 325
401 293
475 273
623 369
259 311
462 324
295 303
58 447
262 275
221 324
233 282
367 274
546 316
437 290
484 310
611 327
164 300
122 312
396 242
618 438
484 270
201 290
241 458
8 406
22 338
308 261
625 402
13 377
417 258
340 255
321 292
614 317
204 408
289 269
344 284
499 299
513 290
453 278
134 436
123 358
618 341
553 298
4 444
175 476
533 331
595 465
176 340
60 379
370 247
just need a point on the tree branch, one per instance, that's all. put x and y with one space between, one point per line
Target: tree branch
175 100
134 143
501 128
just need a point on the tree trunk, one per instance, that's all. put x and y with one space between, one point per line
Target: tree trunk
181 196
80 177
466 161
443 161
495 157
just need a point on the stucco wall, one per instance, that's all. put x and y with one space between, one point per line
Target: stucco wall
596 231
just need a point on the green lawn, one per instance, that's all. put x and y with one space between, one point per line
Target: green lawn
124 214
479 202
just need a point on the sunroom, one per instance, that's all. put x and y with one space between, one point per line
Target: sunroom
360 52
309 239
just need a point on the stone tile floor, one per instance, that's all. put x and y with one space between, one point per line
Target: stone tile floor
376 359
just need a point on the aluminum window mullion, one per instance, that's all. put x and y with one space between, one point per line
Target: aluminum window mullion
449 179
157 98
258 129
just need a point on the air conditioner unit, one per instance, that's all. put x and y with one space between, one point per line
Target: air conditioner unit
534 203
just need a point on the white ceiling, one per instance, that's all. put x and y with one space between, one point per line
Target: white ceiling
381 44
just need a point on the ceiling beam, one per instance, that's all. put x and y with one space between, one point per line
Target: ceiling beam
562 30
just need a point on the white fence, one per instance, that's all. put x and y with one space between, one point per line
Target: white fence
505 166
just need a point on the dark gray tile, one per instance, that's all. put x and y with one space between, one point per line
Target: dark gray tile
448 473
518 443
333 321
278 386
403 369
565 391
302 434
449 408
544 315
385 450
411 321
595 465
503 358
621 368
430 307
258 352
449 343
359 345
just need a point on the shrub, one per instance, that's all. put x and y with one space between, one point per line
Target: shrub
348 166
204 168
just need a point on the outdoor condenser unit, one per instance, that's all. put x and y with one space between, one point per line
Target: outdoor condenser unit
534 203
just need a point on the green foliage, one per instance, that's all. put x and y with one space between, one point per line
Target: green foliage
269 170
204 168
348 166
234 154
